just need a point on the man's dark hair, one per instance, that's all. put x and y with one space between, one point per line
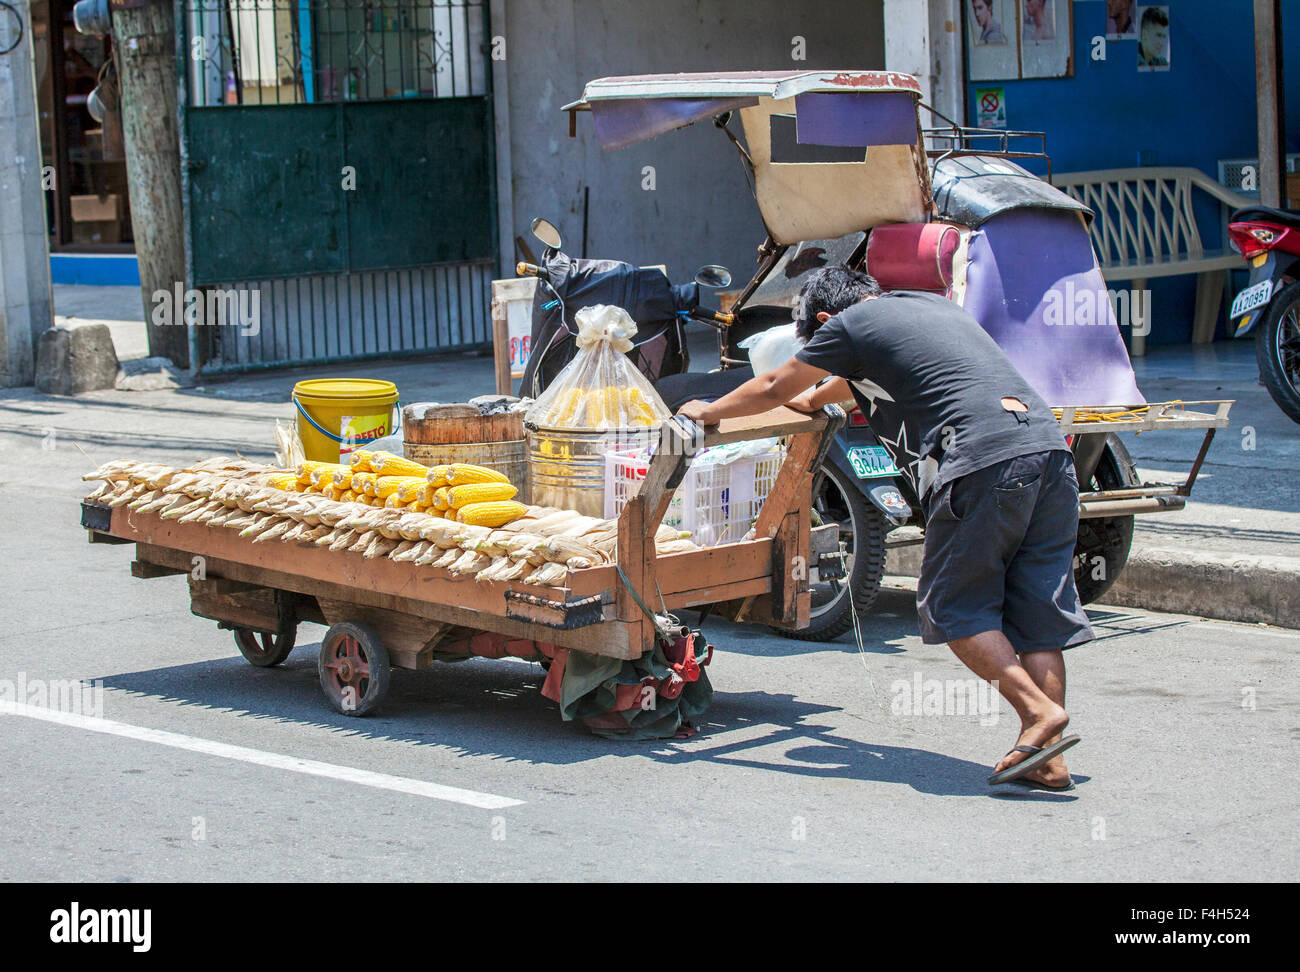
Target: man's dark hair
1154 15
831 289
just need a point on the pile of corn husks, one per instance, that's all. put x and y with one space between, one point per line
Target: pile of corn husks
539 547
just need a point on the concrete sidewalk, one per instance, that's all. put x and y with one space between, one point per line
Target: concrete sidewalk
1232 554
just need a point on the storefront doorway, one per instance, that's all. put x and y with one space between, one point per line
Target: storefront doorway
87 209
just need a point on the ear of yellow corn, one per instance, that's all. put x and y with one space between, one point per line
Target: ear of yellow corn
458 496
437 476
491 514
364 483
394 502
438 499
360 460
347 496
386 486
391 465
286 481
330 492
411 488
462 473
324 473
308 470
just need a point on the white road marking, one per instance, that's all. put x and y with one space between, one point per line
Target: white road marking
1252 629
309 767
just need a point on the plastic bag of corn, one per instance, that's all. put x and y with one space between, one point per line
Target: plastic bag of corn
600 388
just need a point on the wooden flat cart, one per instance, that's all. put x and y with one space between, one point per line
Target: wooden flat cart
384 614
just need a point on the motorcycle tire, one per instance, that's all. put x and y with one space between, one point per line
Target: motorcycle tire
1277 349
862 529
1103 544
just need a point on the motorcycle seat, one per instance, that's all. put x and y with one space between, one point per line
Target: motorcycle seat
1287 217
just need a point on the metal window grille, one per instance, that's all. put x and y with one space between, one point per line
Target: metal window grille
274 52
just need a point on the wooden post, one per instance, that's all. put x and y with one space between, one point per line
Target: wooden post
144 42
1272 118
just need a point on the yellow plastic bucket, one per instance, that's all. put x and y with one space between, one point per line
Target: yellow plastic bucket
337 416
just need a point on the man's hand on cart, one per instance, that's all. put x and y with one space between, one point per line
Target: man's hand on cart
698 412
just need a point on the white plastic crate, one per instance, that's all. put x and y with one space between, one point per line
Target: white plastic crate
718 500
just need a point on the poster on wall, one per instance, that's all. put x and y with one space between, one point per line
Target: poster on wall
993 46
1045 32
991 107
1121 20
1153 38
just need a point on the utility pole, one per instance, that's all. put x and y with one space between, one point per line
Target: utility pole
1272 116
144 43
26 302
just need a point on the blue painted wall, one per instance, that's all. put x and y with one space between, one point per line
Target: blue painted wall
1201 110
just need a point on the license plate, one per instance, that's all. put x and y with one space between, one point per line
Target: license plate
871 462
1251 298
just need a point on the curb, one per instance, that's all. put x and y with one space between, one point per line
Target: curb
1249 588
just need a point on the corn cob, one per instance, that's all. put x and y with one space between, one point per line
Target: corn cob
458 496
344 539
432 552
438 500
402 548
439 532
391 465
548 575
490 514
360 460
437 475
386 486
409 526
285 481
309 470
470 562
413 550
380 546
448 558
462 472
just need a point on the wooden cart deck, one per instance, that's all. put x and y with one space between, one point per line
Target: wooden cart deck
232 579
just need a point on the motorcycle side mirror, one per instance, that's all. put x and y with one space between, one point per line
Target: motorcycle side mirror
545 231
713 275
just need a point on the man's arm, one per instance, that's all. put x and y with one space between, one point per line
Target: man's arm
834 392
760 394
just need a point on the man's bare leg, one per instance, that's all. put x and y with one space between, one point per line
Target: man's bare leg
1047 669
990 656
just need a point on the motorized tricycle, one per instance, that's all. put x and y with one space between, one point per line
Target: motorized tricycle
843 172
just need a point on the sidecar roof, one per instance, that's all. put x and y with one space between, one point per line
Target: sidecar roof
833 151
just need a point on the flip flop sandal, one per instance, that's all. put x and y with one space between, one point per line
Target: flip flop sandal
1038 755
1035 785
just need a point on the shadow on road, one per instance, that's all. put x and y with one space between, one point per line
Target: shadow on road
495 709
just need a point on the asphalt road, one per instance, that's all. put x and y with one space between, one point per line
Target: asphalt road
801 770
193 768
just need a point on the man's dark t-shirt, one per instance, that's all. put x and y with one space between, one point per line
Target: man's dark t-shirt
930 382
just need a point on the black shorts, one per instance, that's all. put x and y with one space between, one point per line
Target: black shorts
999 555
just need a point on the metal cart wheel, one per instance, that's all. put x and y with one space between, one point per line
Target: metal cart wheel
354 668
263 649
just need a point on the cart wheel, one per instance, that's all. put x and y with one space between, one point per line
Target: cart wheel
265 650
354 669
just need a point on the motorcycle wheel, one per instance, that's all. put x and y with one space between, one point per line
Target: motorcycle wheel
862 532
1103 544
1277 349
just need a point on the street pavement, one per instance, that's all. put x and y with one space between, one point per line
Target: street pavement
815 762
804 769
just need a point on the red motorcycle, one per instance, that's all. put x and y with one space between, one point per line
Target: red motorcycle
1269 240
